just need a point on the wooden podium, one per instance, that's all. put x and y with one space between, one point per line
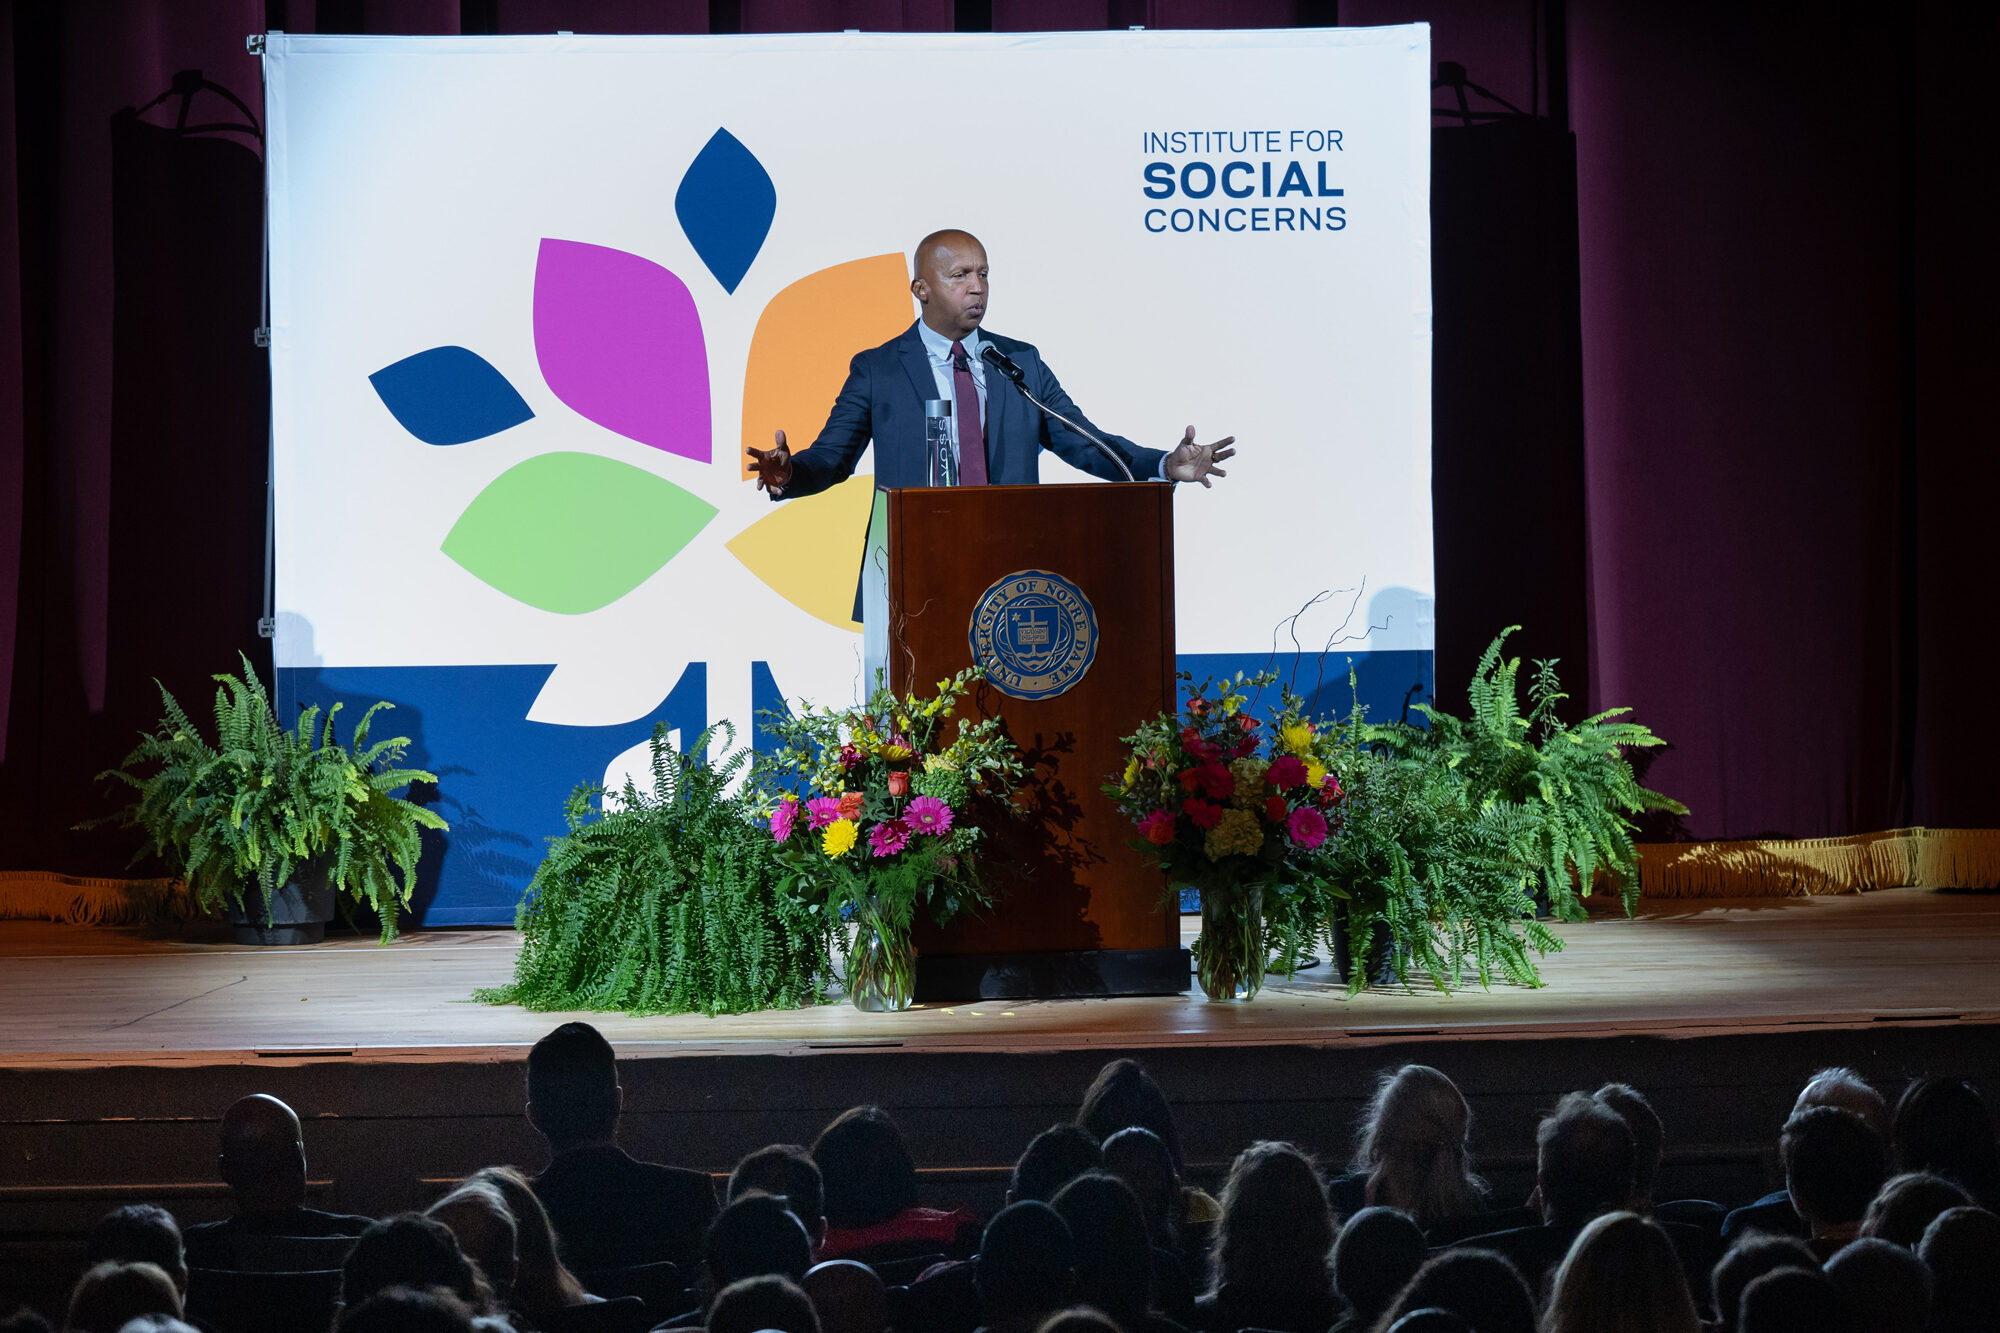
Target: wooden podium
1031 573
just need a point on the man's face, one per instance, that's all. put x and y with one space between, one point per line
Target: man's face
951 284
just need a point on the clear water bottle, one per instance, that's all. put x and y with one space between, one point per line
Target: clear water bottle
937 442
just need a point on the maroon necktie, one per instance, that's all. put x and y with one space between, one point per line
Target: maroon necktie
971 438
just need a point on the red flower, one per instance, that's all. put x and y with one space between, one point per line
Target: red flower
1197 705
1216 780
1158 827
1190 779
1275 809
1286 771
850 805
1329 791
1205 750
1247 722
849 756
1205 814
899 783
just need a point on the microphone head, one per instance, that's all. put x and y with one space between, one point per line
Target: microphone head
1000 361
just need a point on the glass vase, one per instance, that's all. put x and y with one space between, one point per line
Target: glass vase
882 968
1230 956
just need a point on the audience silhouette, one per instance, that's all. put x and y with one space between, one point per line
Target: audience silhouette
609 1210
1102 1232
1273 1247
263 1161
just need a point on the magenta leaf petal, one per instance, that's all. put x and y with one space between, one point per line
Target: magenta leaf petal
620 343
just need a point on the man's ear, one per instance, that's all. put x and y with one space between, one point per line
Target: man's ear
921 290
617 1100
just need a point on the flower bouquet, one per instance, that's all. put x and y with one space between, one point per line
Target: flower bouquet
1232 809
870 809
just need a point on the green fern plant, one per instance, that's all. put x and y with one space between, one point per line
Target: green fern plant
238 817
1448 831
1574 787
666 901
1416 863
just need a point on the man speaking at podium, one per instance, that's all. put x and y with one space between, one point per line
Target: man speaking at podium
943 366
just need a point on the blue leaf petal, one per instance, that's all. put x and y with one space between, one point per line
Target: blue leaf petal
725 204
449 395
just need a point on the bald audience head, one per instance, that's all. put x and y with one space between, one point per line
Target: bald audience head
950 282
263 1154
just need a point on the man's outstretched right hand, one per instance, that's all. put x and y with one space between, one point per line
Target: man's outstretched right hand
774 466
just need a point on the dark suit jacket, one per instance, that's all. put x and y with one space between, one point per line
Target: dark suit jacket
883 400
216 1244
613 1211
1773 1214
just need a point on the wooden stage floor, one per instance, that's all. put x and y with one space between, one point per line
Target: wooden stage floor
72 995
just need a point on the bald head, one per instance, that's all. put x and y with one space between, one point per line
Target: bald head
950 282
263 1154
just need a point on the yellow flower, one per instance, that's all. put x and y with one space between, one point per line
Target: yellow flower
1298 738
1236 832
838 840
1249 774
1131 773
895 753
1315 774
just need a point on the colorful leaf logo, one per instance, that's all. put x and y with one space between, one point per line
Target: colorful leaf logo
809 551
619 342
725 204
573 532
449 395
805 339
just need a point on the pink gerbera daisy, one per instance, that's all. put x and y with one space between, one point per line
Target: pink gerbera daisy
821 811
784 819
889 837
1307 827
927 814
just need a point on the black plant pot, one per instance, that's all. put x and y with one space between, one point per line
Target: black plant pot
1380 965
300 909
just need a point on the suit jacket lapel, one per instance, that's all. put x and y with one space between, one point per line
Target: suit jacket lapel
917 363
1000 405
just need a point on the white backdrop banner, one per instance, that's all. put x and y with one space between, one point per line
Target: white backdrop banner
530 297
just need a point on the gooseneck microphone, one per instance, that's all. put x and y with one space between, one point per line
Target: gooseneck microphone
1003 363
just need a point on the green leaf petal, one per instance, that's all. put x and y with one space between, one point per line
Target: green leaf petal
572 532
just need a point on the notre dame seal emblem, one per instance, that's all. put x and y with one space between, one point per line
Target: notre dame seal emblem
1035 633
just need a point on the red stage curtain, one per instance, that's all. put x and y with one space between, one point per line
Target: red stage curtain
1785 301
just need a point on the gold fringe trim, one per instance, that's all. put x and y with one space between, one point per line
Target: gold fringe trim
39 895
1921 857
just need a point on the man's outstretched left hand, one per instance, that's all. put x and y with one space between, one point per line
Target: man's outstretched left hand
1197 462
